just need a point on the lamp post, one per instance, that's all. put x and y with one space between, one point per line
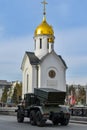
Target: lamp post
77 94
86 93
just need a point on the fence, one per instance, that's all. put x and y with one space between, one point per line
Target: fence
8 110
74 111
78 111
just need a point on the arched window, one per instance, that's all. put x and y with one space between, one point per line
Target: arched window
27 81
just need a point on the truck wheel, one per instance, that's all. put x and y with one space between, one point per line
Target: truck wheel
39 119
55 122
20 117
32 118
65 122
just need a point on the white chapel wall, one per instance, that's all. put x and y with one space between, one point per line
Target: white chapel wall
51 63
27 71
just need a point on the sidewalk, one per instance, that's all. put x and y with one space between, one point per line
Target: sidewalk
78 119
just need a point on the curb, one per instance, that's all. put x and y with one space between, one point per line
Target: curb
78 122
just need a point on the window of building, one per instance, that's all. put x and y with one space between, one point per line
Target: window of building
40 43
35 45
27 81
47 44
52 46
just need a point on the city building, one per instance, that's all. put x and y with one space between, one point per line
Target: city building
3 84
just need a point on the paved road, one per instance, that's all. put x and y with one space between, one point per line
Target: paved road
10 123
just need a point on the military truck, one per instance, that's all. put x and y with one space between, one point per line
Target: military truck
42 105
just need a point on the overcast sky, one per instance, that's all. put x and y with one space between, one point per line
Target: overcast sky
18 20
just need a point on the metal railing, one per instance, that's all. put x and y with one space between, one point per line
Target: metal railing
78 111
8 110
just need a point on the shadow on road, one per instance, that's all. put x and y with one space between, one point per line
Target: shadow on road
47 124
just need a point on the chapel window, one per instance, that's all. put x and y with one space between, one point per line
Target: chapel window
27 81
40 43
48 43
35 44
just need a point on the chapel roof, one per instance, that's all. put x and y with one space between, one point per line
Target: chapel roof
33 59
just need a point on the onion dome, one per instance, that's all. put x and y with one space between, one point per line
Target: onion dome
45 29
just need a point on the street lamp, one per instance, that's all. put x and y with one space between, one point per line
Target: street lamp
86 93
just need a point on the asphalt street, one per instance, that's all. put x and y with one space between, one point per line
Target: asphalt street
10 123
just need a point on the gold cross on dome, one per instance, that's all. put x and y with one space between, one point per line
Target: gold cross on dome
44 3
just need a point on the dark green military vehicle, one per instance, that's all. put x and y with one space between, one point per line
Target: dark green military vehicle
44 104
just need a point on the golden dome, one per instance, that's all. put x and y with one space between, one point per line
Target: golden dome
45 29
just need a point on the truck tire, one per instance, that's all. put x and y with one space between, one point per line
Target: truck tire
55 122
20 117
65 122
32 118
39 119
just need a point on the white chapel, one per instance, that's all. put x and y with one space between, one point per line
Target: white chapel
43 68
